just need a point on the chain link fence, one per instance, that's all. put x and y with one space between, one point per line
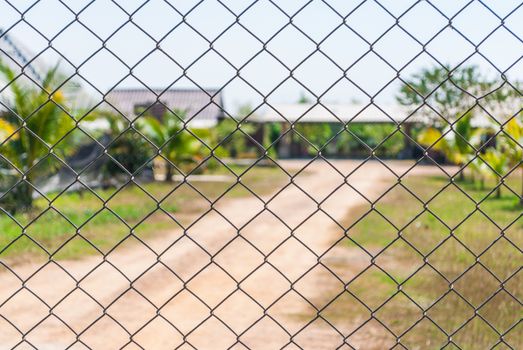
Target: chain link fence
261 174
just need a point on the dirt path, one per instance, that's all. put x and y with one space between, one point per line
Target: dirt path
246 281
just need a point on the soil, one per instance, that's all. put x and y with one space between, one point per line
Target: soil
246 274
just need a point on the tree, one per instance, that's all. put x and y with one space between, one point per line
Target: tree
512 145
447 91
33 123
175 145
316 135
229 128
129 149
496 164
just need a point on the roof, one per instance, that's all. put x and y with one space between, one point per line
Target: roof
355 113
201 106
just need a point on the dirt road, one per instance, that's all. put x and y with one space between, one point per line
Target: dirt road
250 293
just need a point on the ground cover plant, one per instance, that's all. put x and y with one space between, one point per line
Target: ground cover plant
447 274
76 224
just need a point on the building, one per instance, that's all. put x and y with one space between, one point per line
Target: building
336 116
202 108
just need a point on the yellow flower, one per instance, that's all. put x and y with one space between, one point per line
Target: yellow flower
58 96
6 131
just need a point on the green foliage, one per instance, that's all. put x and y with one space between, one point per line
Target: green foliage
372 135
36 122
511 144
451 93
131 204
454 142
129 149
316 134
513 140
271 133
443 89
175 144
234 141
496 163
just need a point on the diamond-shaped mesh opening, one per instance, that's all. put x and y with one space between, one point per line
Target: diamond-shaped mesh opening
212 333
371 329
425 287
47 227
256 285
476 285
289 301
504 303
440 201
425 233
132 320
37 283
184 301
101 238
505 250
15 248
462 312
110 328
200 282
265 326
399 323
419 332
260 175
375 298
119 284
451 258
373 232
239 303
468 231
76 299
10 310
476 331
38 337
341 305
400 260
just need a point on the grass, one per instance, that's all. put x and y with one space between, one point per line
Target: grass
449 259
73 225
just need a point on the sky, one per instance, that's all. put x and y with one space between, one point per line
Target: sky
323 47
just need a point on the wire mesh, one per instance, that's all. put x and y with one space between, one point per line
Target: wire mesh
100 252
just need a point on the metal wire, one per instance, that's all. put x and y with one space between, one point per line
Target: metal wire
27 69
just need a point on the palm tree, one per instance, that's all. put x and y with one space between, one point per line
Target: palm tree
175 145
33 123
128 149
455 144
513 132
496 164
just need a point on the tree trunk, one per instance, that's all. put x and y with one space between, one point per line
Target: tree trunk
498 192
462 174
521 196
168 172
20 198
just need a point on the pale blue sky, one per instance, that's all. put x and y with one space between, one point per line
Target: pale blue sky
290 46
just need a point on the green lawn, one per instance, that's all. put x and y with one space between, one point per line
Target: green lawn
447 258
63 227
